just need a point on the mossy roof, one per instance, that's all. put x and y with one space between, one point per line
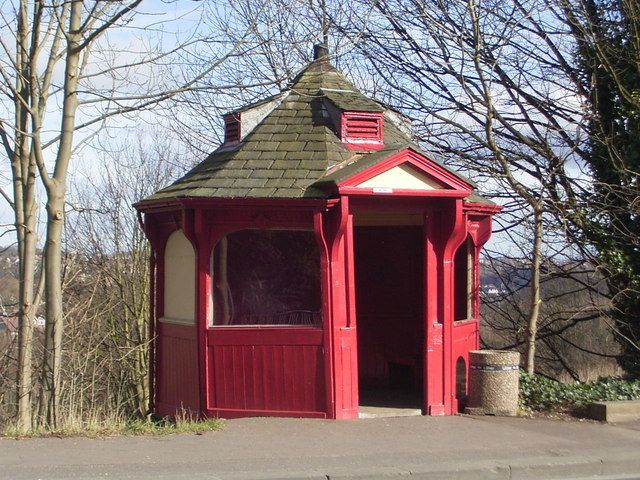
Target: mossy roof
289 153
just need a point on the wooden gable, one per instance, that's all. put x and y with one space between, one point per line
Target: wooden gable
406 173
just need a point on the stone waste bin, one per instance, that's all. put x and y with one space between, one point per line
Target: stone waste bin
493 382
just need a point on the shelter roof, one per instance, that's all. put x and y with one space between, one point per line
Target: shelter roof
295 151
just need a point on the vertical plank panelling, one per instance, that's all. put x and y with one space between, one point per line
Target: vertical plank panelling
179 387
266 371
465 338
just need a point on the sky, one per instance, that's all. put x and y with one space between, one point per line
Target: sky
161 26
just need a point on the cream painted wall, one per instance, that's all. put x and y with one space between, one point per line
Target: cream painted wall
179 280
402 177
380 219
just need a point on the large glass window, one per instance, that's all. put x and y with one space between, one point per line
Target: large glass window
266 277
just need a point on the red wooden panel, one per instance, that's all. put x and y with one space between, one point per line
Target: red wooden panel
349 368
177 385
266 371
264 335
465 338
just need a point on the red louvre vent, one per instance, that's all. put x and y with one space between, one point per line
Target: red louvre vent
362 130
232 128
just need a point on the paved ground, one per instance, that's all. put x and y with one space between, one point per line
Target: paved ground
424 447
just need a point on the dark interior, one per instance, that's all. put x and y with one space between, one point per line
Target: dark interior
267 277
389 298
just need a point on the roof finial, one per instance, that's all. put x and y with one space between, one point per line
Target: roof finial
321 52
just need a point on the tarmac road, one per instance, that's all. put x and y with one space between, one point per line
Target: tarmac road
382 448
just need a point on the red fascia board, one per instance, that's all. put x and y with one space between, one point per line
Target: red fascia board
417 160
472 207
209 202
397 192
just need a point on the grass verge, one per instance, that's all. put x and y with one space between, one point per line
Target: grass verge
118 426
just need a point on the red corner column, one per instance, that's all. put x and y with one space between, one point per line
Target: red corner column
198 231
334 229
445 230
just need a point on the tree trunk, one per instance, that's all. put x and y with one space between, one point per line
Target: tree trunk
24 194
56 193
534 312
55 318
26 315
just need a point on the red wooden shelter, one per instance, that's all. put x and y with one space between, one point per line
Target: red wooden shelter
317 256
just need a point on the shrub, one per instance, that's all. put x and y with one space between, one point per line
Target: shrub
538 393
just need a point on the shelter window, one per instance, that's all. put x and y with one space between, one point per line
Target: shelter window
464 281
266 277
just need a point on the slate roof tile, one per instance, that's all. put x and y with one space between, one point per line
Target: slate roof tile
266 173
280 182
288 193
261 192
295 173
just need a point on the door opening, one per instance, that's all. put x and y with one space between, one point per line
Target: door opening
389 300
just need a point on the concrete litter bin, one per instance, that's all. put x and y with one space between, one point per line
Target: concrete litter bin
493 382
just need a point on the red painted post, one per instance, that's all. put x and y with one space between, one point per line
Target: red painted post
203 248
448 231
433 401
159 312
327 314
152 328
343 337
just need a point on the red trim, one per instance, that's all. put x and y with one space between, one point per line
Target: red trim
232 413
325 262
203 245
417 160
399 192
273 335
295 204
430 298
159 312
350 274
152 329
456 238
482 208
343 338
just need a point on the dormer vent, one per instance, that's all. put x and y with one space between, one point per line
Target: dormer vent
362 130
232 129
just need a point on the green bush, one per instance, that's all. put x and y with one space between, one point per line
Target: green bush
539 393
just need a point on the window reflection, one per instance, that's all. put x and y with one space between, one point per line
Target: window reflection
266 277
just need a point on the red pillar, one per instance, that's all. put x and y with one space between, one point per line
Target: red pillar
445 231
335 232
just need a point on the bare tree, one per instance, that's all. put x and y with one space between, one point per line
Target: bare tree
107 280
493 87
63 56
